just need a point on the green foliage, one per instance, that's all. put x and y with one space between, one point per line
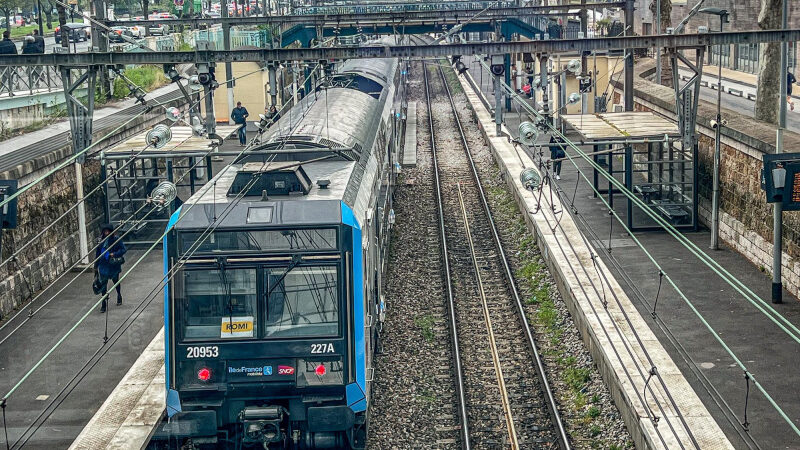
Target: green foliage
146 77
593 412
425 324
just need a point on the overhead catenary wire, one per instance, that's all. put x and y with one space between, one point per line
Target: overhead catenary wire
672 231
138 261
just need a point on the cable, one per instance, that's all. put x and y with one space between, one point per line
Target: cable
671 230
138 261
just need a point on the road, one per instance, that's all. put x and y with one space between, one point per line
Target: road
742 105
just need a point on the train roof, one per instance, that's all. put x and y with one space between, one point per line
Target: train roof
317 206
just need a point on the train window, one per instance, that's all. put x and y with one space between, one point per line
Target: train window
303 302
219 304
261 240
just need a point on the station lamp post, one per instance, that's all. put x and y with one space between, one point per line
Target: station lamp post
717 125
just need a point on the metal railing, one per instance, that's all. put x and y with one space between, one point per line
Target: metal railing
382 8
29 80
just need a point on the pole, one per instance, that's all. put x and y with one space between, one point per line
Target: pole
82 239
777 219
545 87
498 104
40 17
657 20
226 45
717 137
628 57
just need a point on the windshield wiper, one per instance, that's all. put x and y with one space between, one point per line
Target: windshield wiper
223 274
295 262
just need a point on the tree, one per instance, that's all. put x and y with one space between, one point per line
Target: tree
769 70
9 10
48 13
146 15
666 22
62 20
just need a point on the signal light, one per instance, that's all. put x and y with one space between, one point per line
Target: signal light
320 370
204 374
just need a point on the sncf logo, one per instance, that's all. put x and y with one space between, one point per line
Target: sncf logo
285 370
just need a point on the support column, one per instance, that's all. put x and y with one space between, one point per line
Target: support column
100 41
273 85
80 121
226 45
628 93
545 87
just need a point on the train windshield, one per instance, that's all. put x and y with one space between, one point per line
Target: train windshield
303 302
293 301
219 304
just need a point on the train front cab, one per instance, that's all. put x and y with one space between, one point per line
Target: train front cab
269 347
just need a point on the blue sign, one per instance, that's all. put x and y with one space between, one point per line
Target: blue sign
267 370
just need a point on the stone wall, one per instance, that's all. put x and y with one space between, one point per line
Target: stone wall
745 217
57 249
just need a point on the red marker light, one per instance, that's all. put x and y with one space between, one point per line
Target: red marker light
320 370
204 374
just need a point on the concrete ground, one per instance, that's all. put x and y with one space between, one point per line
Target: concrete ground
34 338
768 353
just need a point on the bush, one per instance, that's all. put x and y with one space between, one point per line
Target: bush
146 77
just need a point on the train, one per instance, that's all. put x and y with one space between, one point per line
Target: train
273 307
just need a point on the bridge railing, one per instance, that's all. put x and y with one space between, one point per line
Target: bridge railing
29 80
379 8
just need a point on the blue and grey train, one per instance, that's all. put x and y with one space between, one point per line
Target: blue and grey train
272 315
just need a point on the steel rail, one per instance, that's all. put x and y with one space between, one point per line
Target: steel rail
552 406
681 41
368 17
459 372
487 319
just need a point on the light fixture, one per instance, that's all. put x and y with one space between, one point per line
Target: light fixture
779 177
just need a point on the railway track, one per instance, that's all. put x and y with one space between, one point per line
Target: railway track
503 398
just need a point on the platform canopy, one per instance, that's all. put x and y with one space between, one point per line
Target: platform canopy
621 126
183 143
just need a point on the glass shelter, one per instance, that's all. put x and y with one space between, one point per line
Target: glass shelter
643 152
133 170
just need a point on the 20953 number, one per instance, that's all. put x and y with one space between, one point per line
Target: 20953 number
208 351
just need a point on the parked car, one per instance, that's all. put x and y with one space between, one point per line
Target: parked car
77 32
159 30
118 34
136 30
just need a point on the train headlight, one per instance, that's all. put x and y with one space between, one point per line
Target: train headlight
319 373
204 374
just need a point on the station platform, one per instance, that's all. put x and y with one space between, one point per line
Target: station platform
133 364
769 353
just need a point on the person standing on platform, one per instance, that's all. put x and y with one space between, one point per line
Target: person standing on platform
790 80
556 153
108 265
239 116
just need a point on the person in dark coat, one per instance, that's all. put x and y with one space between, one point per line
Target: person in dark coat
790 80
556 152
239 116
273 115
39 40
29 46
7 46
107 265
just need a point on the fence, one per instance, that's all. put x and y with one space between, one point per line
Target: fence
29 80
746 56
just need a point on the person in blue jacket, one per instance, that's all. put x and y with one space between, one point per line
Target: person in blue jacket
108 264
